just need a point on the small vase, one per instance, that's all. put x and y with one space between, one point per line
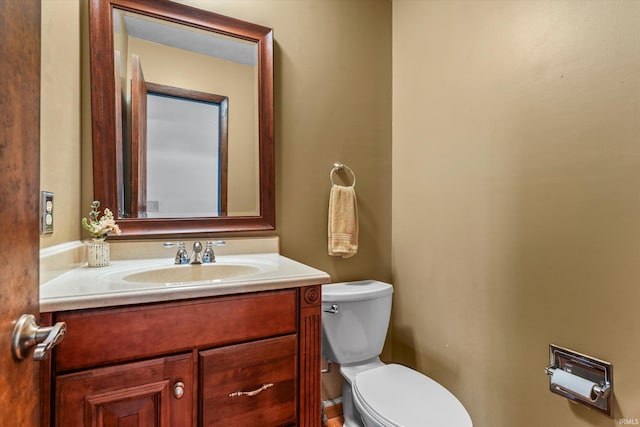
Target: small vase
97 253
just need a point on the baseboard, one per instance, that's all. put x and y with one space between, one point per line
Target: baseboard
332 408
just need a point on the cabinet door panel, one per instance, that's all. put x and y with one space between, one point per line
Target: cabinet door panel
131 395
139 406
251 384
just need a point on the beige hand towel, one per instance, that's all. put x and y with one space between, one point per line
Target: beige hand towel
343 221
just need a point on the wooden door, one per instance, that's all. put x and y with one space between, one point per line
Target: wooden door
152 393
138 139
19 201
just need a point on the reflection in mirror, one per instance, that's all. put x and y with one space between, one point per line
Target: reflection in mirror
186 153
166 52
206 166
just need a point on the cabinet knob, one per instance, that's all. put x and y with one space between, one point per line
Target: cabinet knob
178 390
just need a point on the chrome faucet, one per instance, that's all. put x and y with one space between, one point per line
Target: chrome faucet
198 256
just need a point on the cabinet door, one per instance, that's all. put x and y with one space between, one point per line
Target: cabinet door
142 394
250 384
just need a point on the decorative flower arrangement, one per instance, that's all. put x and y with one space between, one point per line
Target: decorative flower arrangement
100 226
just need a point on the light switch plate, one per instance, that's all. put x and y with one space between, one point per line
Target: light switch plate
47 212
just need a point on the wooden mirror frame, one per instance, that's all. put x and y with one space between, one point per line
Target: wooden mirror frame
107 153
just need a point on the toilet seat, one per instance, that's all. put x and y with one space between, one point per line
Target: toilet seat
396 396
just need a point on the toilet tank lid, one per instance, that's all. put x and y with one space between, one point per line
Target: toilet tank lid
355 291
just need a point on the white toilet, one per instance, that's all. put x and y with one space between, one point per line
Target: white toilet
355 318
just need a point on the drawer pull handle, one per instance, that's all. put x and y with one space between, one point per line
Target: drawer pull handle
251 393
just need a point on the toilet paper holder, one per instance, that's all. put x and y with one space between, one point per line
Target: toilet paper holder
580 378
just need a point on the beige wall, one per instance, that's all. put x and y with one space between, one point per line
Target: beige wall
60 117
516 200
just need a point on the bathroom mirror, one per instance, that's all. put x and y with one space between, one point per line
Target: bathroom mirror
216 179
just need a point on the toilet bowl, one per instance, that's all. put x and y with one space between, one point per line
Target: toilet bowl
355 319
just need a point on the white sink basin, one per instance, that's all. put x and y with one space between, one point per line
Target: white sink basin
146 280
191 273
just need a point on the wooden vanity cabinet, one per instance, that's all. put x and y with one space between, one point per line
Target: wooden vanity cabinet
241 360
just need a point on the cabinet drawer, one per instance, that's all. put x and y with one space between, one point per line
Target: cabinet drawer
102 336
251 384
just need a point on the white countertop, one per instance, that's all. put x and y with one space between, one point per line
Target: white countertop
86 287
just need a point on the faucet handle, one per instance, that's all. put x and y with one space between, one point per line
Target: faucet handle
208 256
182 257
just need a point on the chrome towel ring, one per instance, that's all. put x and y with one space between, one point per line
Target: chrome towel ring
339 167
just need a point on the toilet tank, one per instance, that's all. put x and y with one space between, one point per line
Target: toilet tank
357 331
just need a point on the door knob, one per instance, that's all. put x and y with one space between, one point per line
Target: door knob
27 334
